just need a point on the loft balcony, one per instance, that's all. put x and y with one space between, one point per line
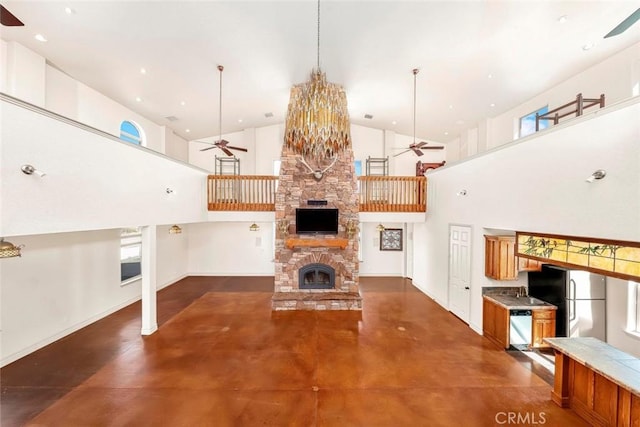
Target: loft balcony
257 193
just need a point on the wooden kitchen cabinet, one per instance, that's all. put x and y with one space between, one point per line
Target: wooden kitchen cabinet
543 325
495 323
501 263
526 264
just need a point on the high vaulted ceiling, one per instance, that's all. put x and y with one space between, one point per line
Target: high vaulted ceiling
471 55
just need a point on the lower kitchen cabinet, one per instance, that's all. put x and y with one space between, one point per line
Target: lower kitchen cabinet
495 323
543 325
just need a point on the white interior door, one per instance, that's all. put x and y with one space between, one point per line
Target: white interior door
460 271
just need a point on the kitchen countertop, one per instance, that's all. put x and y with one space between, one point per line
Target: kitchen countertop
520 303
613 364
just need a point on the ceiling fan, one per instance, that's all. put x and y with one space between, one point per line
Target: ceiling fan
222 144
624 25
422 145
8 19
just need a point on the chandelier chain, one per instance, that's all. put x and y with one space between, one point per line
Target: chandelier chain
318 41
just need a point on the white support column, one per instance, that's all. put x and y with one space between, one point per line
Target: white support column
149 285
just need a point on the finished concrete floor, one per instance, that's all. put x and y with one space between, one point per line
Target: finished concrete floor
221 357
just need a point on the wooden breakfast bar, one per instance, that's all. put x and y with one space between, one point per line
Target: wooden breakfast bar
599 382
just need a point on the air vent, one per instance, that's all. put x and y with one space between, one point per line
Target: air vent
172 118
268 115
368 116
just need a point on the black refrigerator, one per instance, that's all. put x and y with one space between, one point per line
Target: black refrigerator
580 297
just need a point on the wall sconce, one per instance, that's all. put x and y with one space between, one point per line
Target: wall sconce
175 229
352 228
30 170
8 249
380 227
254 227
461 193
283 227
599 174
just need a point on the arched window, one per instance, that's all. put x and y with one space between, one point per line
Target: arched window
129 132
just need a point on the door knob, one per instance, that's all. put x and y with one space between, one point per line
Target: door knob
466 287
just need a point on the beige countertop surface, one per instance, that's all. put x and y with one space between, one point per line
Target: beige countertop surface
520 303
613 364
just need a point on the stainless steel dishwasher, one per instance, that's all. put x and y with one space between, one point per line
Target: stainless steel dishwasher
519 327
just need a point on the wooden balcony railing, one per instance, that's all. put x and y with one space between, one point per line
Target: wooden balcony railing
393 193
242 192
257 193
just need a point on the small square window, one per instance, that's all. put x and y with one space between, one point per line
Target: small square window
528 122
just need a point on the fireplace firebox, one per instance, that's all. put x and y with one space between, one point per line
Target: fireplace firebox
316 276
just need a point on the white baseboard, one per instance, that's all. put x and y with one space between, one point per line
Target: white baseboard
218 274
55 337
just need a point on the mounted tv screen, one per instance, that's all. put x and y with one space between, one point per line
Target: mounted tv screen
316 221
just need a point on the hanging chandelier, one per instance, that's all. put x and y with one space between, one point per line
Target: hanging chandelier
317 123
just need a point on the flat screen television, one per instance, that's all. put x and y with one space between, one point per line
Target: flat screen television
316 221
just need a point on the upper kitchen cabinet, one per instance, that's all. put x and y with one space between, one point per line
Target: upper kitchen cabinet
501 263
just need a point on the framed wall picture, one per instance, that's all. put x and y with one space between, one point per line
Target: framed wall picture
391 239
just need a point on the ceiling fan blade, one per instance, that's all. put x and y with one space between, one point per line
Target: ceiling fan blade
227 152
8 19
221 143
421 144
418 152
405 151
622 27
204 142
237 148
433 147
208 148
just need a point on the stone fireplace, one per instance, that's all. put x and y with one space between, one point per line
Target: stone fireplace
316 271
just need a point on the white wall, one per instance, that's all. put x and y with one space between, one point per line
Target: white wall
614 77
65 281
231 249
175 146
92 181
617 312
376 262
25 74
536 184
172 255
61 283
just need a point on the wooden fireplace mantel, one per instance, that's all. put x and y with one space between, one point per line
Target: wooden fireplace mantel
295 242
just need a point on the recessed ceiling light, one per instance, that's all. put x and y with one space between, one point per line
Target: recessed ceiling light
183 103
562 19
492 105
490 76
446 133
69 11
588 46
187 130
40 38
239 120
138 99
143 71
394 122
450 107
